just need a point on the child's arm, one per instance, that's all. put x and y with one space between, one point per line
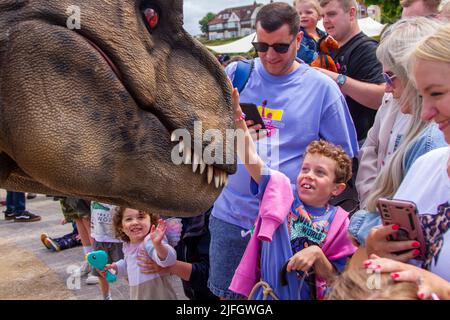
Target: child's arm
181 269
246 149
120 267
157 235
312 256
163 254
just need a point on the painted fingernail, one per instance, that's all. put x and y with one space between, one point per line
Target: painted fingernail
375 267
395 276
395 227
367 263
416 244
416 252
421 296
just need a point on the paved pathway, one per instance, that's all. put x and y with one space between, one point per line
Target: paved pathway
27 237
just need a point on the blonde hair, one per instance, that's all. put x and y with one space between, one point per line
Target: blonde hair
314 3
445 11
435 47
360 284
395 47
117 222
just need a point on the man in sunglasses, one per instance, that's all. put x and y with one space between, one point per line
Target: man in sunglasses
298 104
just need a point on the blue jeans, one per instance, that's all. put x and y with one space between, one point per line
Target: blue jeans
15 202
225 252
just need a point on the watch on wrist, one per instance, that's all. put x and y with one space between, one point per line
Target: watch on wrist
340 80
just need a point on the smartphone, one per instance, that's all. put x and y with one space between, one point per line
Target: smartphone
252 113
404 214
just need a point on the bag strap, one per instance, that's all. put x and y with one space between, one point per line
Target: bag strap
243 71
267 290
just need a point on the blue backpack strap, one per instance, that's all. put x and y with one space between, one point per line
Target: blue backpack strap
242 74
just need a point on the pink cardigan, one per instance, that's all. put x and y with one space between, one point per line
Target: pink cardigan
274 209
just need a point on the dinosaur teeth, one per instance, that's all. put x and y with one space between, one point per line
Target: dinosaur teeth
190 157
225 179
217 179
195 163
173 137
202 166
210 174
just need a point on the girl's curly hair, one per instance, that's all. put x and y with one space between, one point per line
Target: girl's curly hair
117 222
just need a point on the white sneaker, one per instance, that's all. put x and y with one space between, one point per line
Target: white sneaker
84 269
91 279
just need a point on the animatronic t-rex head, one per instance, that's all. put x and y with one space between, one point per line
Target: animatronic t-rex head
89 112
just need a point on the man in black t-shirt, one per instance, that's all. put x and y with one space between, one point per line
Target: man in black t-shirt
359 70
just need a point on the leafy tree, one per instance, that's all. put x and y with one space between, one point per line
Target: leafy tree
391 10
205 20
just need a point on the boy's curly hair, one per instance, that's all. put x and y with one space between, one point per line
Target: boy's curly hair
343 171
117 222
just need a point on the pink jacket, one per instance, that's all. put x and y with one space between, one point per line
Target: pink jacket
274 209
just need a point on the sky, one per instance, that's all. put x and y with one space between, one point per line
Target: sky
195 10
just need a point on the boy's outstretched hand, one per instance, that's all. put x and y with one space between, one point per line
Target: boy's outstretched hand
237 111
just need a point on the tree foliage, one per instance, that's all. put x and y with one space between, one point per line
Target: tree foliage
205 20
391 10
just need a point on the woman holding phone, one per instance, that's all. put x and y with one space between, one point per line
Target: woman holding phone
409 138
428 182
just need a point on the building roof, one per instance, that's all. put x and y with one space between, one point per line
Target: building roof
244 13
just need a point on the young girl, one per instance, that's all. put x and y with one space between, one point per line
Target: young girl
309 13
140 229
297 230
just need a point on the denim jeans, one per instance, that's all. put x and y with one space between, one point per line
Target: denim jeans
15 202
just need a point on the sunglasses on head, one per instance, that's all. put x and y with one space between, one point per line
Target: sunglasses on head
389 79
278 47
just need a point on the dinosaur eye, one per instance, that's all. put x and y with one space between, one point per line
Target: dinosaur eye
152 17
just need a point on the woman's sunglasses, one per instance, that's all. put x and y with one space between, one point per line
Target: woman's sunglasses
389 79
278 47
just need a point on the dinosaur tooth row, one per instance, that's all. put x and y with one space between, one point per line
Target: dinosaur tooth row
219 176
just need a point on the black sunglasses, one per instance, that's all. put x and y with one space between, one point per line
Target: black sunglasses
278 47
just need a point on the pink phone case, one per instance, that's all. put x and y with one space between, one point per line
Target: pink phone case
404 214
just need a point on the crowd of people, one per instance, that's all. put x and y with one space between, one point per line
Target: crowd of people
376 127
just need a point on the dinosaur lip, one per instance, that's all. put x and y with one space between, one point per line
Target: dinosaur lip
105 56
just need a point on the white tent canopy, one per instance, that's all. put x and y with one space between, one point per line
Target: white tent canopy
368 25
238 46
